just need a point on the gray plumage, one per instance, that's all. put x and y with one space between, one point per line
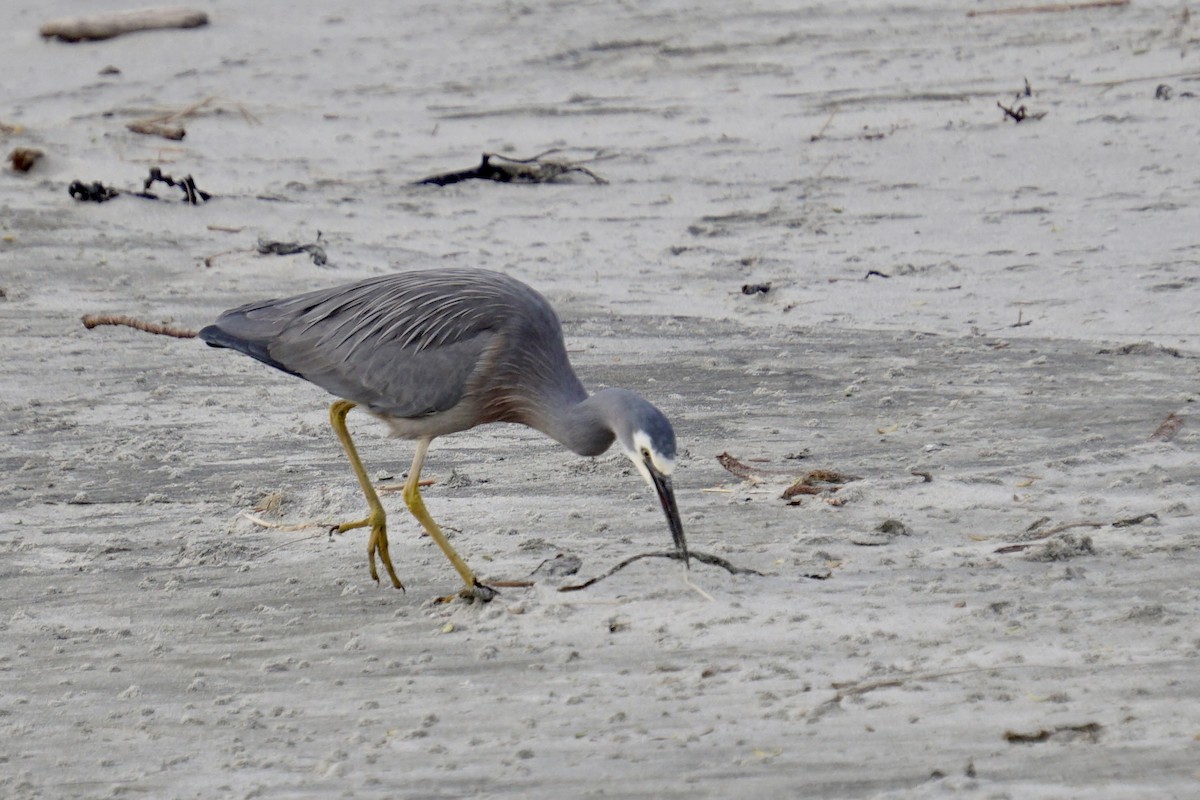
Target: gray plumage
440 351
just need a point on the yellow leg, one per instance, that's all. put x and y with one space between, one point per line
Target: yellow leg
376 519
412 498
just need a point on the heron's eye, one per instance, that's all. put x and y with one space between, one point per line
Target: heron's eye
646 453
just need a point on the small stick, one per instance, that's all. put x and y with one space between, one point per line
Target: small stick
282 526
149 128
1051 8
399 487
828 121
92 320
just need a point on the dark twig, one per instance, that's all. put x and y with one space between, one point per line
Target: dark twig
1050 8
703 558
505 169
95 192
191 194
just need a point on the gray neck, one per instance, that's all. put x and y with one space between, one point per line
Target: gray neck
586 426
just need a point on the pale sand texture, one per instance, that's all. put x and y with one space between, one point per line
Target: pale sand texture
155 644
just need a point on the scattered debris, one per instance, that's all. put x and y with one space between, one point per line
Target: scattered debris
167 125
173 132
1164 92
93 320
1089 732
737 468
1020 113
1140 349
818 481
875 273
756 288
23 158
315 251
191 194
813 482
703 558
561 565
270 503
106 26
883 534
1062 548
1169 427
924 476
1075 545
538 169
1019 323
1051 8
95 192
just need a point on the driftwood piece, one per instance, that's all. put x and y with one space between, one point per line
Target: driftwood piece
106 26
151 128
503 169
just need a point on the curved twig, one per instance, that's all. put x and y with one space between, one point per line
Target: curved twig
703 558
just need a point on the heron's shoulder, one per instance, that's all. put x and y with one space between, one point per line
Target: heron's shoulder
422 309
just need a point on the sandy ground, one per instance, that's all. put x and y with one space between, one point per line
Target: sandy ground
1040 320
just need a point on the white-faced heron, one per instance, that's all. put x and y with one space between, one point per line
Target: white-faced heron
440 351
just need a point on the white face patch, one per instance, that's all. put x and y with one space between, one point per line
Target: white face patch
643 448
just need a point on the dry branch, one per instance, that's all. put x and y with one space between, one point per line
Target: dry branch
106 26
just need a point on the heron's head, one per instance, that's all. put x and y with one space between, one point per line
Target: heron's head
646 437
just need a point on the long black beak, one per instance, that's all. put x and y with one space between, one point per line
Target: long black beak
666 495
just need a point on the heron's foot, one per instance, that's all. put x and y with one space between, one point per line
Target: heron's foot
478 592
378 545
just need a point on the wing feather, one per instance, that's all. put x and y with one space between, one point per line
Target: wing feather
405 345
